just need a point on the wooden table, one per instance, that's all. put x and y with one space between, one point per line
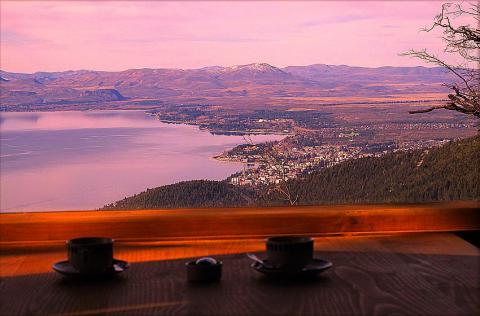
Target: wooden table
390 274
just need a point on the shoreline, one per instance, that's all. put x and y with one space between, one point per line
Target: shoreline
210 156
225 132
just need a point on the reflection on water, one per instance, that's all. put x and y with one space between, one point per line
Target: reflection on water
83 160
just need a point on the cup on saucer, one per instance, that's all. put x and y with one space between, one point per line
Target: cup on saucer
289 253
91 255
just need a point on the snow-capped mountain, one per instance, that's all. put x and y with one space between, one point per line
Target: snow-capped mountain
250 81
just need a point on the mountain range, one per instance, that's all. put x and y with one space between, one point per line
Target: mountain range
257 83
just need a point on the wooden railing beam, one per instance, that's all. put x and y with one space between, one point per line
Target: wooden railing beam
241 222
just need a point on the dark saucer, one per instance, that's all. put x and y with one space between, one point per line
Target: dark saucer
315 267
65 268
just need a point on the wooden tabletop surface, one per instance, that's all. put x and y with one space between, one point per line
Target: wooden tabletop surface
390 274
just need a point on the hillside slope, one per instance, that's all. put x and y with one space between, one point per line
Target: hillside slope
450 172
196 193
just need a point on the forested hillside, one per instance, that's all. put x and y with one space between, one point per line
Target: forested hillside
197 193
450 172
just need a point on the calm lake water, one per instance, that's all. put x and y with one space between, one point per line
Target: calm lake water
83 160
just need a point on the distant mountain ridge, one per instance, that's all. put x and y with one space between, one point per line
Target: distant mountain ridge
220 85
252 66
450 172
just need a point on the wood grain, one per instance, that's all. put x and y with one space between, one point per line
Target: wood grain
395 274
240 222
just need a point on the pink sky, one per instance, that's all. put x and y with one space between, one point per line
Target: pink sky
56 36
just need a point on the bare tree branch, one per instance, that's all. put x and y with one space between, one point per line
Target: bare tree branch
427 110
463 40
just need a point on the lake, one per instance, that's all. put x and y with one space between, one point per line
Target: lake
52 161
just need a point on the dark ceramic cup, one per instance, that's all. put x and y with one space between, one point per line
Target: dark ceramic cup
289 252
90 255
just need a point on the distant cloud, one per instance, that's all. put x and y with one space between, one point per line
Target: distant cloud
10 37
337 19
167 38
389 26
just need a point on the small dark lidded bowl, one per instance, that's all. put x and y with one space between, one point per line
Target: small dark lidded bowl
205 270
